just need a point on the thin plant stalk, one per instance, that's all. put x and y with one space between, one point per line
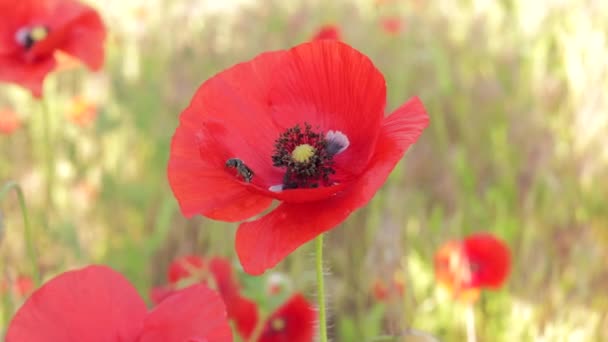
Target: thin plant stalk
470 323
321 289
27 228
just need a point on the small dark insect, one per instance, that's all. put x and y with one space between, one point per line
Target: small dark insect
241 168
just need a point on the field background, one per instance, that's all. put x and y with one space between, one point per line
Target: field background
517 92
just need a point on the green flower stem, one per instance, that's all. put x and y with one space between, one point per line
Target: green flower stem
321 289
27 229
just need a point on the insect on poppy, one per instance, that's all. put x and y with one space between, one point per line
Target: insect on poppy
309 123
32 32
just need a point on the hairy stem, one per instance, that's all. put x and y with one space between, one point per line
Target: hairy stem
321 289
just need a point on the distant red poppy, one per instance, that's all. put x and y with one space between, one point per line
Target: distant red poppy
32 31
396 287
304 126
216 273
24 285
479 261
330 32
97 304
81 111
9 121
294 321
21 287
392 25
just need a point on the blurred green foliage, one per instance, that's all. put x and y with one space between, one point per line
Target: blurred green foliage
517 145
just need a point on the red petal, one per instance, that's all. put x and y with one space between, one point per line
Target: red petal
225 279
227 118
332 86
193 314
28 75
244 313
85 32
491 259
262 243
293 322
93 304
241 310
184 267
331 32
160 293
201 183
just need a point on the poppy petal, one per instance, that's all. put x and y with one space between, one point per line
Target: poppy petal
262 243
332 86
85 33
29 76
202 185
294 321
192 314
225 278
489 258
244 313
226 119
159 293
184 267
95 304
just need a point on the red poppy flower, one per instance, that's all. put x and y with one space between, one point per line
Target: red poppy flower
32 31
9 121
217 273
392 25
21 287
304 126
81 111
97 304
294 321
330 32
479 261
382 292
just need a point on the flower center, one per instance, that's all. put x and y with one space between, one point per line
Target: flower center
278 324
29 36
303 153
306 156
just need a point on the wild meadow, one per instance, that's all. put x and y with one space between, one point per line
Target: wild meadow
516 147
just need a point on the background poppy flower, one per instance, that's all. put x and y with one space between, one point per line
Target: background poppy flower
304 126
395 287
294 321
32 31
479 261
391 25
81 111
97 304
216 273
331 32
9 121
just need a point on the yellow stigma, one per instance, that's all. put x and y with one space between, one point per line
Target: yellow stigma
38 33
303 153
277 324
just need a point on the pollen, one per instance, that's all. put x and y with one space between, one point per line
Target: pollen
303 153
38 33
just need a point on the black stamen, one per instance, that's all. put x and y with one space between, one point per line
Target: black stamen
308 174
